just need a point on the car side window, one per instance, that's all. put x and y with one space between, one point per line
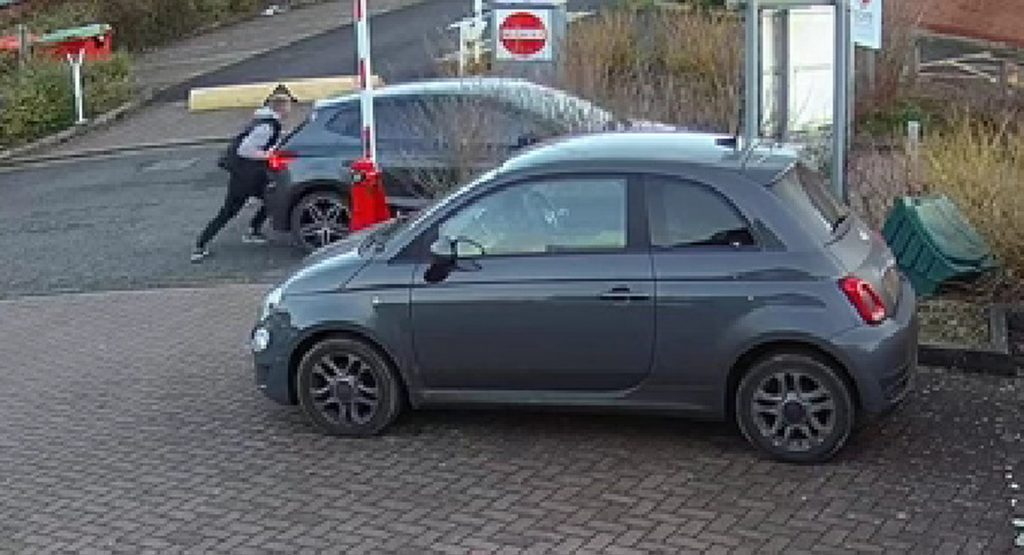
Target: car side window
346 121
685 214
578 214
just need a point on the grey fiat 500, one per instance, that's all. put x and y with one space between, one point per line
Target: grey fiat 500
660 272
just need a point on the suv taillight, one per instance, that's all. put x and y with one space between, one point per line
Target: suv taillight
279 160
865 299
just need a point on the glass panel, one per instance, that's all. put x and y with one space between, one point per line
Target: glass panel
567 215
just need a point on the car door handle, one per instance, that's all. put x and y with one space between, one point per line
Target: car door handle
620 294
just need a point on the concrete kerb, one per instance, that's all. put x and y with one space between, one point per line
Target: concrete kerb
995 359
13 154
23 162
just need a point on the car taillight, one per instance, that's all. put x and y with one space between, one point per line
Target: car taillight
865 299
279 160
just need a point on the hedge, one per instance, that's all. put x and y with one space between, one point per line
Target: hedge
39 100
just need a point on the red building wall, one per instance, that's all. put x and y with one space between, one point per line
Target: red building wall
993 20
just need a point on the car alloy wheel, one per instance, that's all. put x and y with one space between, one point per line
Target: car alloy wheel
347 388
795 408
320 219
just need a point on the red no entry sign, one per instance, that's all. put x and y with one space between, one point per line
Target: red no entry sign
523 34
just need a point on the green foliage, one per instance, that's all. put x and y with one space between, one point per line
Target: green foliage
36 101
891 118
39 100
138 24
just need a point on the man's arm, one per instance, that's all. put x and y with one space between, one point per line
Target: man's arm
253 143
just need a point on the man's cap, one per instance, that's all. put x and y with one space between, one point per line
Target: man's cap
281 92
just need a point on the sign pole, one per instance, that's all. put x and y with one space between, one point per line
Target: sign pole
23 45
76 78
752 89
365 79
841 110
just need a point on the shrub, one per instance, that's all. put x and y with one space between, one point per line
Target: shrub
680 66
40 100
981 167
37 101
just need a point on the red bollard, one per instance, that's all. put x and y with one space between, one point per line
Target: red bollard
369 204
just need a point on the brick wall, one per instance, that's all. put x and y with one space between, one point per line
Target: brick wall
994 20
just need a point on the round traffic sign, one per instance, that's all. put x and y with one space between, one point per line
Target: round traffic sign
523 34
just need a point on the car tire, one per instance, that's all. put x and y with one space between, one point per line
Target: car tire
795 408
347 388
320 218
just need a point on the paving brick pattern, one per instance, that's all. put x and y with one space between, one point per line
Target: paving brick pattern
129 424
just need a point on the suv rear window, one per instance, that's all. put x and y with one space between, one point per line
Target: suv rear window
807 195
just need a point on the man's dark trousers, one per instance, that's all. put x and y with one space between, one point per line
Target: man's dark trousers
248 180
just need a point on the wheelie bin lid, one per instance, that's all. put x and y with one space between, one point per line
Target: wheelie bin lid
950 232
76 33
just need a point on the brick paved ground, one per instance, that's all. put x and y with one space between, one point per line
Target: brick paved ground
129 423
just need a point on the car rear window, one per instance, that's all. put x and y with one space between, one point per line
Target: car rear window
805 193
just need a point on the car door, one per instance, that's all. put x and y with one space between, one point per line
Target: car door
558 297
711 268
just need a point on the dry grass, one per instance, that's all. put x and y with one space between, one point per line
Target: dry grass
680 66
981 167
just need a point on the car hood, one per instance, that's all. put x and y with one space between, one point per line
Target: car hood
329 268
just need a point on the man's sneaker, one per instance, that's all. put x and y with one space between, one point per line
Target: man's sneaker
254 238
198 254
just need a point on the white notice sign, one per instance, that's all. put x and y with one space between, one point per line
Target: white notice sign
867 23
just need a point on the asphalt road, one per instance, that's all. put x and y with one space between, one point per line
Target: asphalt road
405 44
128 221
125 222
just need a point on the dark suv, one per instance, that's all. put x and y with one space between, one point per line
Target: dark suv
431 135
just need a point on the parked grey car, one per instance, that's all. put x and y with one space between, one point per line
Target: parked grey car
430 136
656 272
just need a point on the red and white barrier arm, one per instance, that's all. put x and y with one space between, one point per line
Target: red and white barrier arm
365 78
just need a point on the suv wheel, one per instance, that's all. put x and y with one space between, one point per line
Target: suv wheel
320 218
795 408
346 388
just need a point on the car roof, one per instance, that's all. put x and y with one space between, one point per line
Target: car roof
761 164
474 85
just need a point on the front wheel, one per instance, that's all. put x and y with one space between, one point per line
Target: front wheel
795 408
347 388
320 218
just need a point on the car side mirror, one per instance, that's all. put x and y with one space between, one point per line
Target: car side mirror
448 254
444 251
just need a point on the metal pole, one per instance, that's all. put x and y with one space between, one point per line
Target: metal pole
462 50
23 46
478 23
840 113
76 78
752 90
365 78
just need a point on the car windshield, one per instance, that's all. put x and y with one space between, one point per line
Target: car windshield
385 232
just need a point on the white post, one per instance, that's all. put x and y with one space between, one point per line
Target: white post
462 49
478 24
365 78
76 78
752 68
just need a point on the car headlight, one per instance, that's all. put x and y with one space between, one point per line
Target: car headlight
271 302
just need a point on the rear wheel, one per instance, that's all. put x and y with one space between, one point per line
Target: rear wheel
347 388
795 408
320 218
